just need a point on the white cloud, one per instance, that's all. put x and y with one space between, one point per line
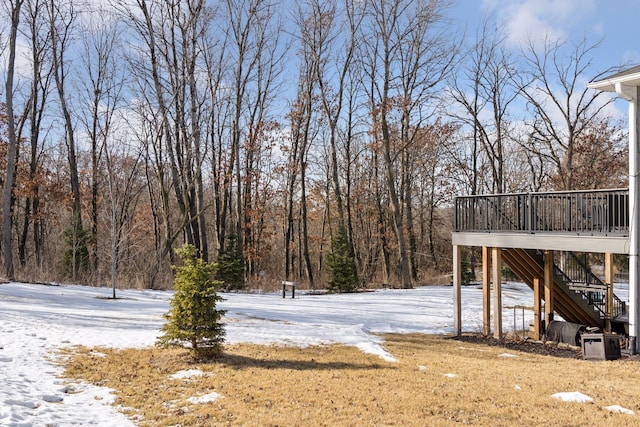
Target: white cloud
631 57
537 20
599 29
23 61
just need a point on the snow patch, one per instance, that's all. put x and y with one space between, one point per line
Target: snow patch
51 398
23 403
573 396
507 355
619 409
471 349
188 373
207 398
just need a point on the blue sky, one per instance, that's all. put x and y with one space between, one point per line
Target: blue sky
614 21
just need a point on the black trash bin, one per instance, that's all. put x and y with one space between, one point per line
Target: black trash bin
600 346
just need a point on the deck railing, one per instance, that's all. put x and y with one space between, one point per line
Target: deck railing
595 212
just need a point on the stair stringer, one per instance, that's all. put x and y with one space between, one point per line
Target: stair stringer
568 304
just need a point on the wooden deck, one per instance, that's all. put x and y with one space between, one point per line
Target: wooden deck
590 221
524 231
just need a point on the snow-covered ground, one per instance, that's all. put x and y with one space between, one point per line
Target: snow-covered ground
36 319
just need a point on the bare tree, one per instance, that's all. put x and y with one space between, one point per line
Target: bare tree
485 91
36 32
433 142
329 33
102 80
145 128
407 53
601 156
301 116
14 11
329 30
62 18
252 32
219 105
259 123
561 105
124 189
380 56
169 61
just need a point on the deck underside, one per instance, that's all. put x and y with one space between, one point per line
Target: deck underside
544 241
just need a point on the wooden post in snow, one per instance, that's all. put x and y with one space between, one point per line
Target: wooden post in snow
457 290
537 307
548 288
608 279
496 261
486 291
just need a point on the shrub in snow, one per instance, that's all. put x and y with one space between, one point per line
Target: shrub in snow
193 318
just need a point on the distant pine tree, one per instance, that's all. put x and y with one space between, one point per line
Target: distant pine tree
343 276
231 265
193 317
76 257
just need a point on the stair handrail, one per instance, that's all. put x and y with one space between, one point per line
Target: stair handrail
619 306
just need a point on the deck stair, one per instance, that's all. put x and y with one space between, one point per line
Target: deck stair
580 278
579 294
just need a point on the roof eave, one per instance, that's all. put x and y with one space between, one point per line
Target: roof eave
609 85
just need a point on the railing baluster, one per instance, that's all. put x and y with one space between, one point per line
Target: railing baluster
599 212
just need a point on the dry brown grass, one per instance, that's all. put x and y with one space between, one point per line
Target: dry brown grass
340 386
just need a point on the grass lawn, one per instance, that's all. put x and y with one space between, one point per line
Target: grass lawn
437 381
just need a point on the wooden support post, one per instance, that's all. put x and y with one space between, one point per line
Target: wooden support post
486 291
537 308
496 261
457 290
608 279
548 288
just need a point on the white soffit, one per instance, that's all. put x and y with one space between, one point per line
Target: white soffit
630 77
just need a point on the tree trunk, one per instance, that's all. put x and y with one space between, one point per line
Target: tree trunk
58 49
11 155
382 223
405 275
408 203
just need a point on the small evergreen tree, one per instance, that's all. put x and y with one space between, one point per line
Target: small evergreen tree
467 275
76 257
343 276
193 317
230 262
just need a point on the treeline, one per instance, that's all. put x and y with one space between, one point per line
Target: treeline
260 130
